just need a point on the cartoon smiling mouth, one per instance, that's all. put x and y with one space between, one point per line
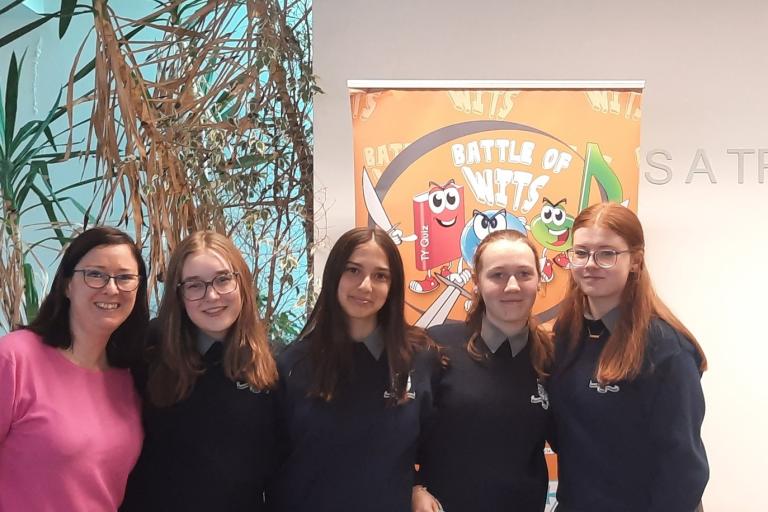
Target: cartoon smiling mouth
447 223
562 236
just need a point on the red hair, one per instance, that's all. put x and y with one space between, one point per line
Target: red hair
622 357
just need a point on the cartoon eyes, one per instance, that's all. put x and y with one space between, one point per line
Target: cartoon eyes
440 200
451 198
483 226
552 214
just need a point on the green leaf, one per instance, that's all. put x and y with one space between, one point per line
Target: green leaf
31 298
78 184
11 6
49 136
2 125
47 205
66 11
85 211
29 178
8 38
29 150
249 161
11 101
22 134
84 70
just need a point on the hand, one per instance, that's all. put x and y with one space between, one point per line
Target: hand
423 501
396 235
461 278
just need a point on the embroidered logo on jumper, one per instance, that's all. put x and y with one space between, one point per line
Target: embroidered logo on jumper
409 392
603 389
254 390
542 397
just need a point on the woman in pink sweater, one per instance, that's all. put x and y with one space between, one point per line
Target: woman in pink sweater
70 426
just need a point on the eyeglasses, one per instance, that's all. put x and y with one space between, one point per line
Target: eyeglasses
604 258
97 279
195 289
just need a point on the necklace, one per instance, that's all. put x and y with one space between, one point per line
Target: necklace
594 336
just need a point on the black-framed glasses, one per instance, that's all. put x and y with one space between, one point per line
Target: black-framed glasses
97 279
603 258
195 289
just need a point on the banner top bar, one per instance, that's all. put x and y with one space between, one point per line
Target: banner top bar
496 84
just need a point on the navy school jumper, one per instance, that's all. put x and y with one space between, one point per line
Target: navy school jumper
632 446
484 447
214 450
356 452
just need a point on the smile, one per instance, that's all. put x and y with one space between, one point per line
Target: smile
360 300
562 236
108 306
214 311
447 223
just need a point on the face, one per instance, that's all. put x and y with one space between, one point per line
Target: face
602 286
214 313
508 283
364 285
102 310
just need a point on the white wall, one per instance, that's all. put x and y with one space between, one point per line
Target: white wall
705 66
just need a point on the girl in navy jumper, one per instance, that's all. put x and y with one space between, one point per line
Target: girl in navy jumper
625 390
354 390
209 414
484 449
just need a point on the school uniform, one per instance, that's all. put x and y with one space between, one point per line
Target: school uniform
356 451
629 446
212 451
484 447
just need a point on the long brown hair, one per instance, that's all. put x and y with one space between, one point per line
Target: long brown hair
327 327
247 356
623 354
541 343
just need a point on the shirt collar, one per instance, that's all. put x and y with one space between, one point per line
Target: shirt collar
494 337
204 342
610 319
374 343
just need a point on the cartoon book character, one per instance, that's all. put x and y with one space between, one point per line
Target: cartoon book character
438 218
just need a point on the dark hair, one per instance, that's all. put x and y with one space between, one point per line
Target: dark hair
327 328
52 321
247 356
623 354
541 342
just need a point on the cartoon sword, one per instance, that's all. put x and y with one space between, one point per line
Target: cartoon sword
441 307
378 214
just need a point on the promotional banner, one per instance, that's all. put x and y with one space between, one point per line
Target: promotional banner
440 169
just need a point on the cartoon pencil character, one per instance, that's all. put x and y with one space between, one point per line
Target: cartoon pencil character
553 229
438 219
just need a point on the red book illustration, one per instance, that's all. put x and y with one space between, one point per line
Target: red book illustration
438 220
